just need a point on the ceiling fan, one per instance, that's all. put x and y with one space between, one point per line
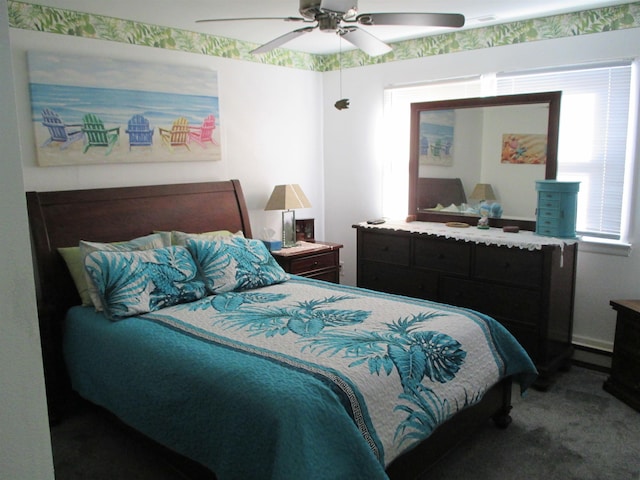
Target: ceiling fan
341 17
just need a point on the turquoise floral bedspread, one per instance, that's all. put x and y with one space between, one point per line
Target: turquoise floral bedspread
302 379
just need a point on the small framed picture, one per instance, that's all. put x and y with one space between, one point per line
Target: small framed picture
305 230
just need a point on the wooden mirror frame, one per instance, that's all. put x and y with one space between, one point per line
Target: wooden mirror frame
551 98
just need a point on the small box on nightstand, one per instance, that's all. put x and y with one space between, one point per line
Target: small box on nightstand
273 245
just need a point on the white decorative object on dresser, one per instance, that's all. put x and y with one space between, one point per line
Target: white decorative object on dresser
523 280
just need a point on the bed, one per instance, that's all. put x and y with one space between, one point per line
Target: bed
247 371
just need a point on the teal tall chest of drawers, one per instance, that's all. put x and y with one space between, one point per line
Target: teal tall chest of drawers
557 208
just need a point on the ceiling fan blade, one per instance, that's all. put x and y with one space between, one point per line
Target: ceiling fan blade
366 42
276 42
454 20
286 19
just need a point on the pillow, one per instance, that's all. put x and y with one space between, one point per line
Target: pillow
235 263
135 282
180 238
142 243
73 258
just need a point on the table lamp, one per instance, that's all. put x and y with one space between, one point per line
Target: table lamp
287 198
482 192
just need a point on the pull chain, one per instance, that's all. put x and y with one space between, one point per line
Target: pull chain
343 102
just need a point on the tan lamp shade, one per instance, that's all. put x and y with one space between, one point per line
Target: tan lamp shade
481 192
287 197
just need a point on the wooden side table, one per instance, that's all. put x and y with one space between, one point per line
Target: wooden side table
624 381
319 260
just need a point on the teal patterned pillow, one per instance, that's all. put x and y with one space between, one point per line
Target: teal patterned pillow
131 283
235 263
141 243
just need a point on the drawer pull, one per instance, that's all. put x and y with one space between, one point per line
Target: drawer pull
315 264
441 256
385 248
507 265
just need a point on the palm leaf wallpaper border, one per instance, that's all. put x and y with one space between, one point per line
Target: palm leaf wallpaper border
29 16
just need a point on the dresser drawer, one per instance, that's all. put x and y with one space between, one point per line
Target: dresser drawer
386 248
313 262
519 306
548 213
509 265
547 196
551 202
395 279
332 275
442 255
549 229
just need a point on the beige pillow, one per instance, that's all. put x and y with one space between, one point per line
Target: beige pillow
180 238
74 260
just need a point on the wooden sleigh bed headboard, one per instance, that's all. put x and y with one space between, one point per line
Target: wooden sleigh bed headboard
63 218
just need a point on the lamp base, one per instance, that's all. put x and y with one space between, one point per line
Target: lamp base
288 228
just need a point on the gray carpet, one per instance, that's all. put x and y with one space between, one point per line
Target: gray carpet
573 431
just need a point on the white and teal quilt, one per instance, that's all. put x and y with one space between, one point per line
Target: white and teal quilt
300 379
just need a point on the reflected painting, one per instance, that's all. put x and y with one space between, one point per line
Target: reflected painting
436 137
92 110
524 148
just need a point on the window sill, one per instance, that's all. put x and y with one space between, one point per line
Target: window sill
605 247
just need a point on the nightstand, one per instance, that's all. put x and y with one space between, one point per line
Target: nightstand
624 381
319 260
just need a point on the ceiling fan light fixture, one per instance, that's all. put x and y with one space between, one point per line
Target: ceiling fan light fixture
339 16
328 23
312 8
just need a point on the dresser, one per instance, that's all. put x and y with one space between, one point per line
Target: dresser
319 260
624 381
523 280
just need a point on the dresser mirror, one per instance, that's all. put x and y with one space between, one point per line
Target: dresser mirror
459 147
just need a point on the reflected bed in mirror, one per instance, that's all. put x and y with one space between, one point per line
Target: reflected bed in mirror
507 142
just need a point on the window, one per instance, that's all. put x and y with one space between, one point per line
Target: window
597 118
592 149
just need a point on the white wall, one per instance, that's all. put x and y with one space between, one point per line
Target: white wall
271 128
25 446
353 163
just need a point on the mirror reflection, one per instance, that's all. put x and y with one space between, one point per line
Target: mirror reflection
481 156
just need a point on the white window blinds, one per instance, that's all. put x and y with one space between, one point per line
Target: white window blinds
594 123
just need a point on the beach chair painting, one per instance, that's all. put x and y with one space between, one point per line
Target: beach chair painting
133 97
177 136
203 133
140 134
96 135
59 132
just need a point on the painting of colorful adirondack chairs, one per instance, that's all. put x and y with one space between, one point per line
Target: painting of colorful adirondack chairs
139 131
98 136
177 135
89 110
60 134
204 133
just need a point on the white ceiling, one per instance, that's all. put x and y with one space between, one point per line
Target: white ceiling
182 14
